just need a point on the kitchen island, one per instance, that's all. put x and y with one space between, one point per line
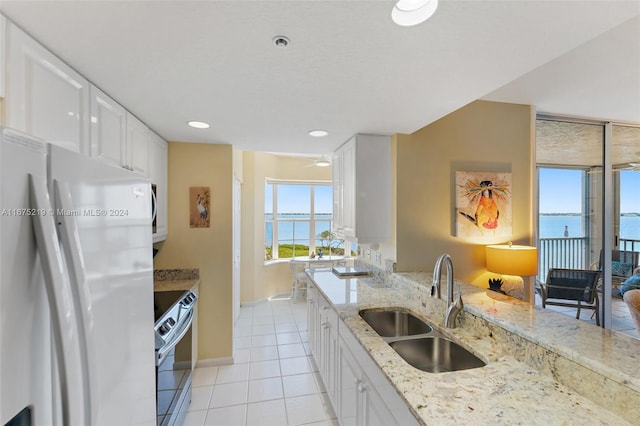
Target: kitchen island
542 367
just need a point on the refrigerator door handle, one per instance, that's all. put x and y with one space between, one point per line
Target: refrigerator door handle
162 352
63 315
154 202
72 249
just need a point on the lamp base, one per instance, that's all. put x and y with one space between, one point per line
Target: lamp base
513 286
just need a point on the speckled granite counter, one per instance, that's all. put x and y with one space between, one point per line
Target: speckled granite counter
542 367
175 279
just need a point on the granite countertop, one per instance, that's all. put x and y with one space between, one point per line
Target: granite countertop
175 279
542 367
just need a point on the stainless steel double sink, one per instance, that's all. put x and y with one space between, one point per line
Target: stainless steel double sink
418 343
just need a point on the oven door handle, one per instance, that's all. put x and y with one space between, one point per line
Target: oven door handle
162 352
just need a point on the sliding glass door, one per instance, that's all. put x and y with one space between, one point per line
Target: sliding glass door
588 200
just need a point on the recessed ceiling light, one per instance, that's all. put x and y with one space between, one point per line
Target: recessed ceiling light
407 13
281 41
318 133
199 124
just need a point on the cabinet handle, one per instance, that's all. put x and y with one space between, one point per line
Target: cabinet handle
361 387
324 325
311 301
324 308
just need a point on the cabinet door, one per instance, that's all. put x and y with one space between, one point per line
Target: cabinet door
338 187
45 97
374 408
349 374
137 145
108 129
313 321
329 348
349 188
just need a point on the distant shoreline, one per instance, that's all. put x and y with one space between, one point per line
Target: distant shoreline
580 214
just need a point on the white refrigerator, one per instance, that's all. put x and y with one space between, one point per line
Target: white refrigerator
76 289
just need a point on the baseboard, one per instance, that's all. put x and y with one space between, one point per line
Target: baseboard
214 362
279 296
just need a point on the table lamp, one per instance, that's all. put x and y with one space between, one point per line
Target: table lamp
512 262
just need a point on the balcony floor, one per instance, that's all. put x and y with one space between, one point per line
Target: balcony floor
621 319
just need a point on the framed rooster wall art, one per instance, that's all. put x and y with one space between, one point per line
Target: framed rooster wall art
483 206
199 197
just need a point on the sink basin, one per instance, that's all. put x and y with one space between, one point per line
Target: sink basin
436 354
394 323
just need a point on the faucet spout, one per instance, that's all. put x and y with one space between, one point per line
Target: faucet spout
453 307
453 310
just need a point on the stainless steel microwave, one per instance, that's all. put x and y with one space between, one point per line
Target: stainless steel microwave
154 209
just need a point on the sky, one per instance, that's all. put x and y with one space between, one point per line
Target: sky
560 191
289 196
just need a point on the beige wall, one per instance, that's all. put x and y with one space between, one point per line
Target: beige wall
482 136
260 280
208 249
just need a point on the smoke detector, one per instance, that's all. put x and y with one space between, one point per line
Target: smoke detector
281 41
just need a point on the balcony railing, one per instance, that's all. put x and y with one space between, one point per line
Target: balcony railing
629 245
570 253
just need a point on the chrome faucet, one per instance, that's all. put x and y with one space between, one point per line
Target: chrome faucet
453 307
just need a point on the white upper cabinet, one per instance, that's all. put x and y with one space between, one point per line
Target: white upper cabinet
108 129
362 189
3 55
138 136
44 96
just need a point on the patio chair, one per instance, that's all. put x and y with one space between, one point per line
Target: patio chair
575 288
623 263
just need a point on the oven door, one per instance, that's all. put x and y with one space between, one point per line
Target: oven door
174 360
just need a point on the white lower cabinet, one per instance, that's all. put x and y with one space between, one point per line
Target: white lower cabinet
329 349
313 320
359 391
360 402
323 339
350 406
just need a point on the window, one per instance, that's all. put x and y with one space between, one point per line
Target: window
561 202
629 209
563 221
298 218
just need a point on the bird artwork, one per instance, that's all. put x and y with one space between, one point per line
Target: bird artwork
202 210
199 209
482 197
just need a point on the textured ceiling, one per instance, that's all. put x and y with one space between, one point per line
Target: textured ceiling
348 68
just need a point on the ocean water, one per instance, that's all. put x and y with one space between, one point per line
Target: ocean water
298 228
550 227
553 226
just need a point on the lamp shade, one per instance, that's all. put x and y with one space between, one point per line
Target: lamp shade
512 260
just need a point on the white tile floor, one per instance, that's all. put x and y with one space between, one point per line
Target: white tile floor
274 380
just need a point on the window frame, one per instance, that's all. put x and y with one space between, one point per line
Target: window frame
312 237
